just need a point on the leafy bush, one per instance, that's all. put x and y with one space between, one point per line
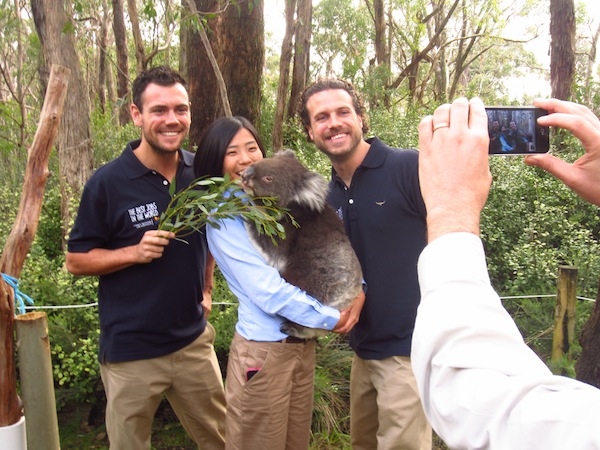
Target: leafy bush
223 318
397 127
531 225
76 370
332 391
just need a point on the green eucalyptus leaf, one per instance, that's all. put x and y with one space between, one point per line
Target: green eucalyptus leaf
192 208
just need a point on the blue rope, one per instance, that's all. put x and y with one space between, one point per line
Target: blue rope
20 298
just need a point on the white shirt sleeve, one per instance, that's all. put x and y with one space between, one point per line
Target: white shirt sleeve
482 387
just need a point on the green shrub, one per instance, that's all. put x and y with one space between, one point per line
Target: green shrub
76 370
331 411
531 225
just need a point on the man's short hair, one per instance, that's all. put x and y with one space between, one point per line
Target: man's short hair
161 75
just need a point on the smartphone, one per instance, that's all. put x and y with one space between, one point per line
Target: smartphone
514 130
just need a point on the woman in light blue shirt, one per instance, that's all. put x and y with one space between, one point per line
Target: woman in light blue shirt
270 376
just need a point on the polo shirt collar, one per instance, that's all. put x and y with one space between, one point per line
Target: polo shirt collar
135 169
375 156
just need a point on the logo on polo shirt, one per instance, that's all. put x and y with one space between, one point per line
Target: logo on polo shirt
144 215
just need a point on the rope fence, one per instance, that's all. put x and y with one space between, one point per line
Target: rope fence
93 305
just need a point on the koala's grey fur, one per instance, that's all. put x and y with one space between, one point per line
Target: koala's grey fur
316 256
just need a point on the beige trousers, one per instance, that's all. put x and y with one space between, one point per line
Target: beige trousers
385 408
190 379
269 390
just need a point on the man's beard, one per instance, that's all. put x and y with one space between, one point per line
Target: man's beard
341 153
156 147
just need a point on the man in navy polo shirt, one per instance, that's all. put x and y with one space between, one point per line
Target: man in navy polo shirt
153 295
375 190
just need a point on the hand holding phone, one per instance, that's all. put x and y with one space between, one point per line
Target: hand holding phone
514 130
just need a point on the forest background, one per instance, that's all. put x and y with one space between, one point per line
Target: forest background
254 58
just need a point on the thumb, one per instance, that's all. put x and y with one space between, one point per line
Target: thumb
551 164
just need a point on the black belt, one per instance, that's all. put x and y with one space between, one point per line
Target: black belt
294 340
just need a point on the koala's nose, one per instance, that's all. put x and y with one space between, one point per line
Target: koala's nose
247 174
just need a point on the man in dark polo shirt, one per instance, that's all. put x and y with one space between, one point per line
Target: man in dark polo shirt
153 296
375 190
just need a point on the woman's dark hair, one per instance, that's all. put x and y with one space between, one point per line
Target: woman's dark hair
213 144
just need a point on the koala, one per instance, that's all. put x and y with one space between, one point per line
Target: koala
316 256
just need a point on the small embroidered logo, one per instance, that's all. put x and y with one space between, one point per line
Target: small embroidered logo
380 203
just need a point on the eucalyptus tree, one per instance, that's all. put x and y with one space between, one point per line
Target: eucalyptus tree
285 58
588 363
562 47
121 58
447 41
241 54
418 50
342 37
300 70
296 47
16 80
586 51
196 64
53 22
222 56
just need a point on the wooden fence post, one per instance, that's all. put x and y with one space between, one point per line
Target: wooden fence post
37 384
564 316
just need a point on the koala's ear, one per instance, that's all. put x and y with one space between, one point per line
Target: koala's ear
287 152
312 192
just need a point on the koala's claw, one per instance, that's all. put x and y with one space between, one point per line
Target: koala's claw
301 332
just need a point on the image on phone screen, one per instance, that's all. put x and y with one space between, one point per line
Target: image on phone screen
515 131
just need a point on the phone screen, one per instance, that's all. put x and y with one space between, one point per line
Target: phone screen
514 130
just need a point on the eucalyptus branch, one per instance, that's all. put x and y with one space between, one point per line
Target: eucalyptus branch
206 201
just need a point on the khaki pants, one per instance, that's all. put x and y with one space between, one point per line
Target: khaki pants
385 409
272 410
190 379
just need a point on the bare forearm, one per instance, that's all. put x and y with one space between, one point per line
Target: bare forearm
100 261
209 274
444 222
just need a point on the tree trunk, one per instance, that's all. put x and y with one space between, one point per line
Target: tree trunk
122 60
587 367
19 241
562 47
138 40
591 60
74 137
301 54
284 75
102 66
197 70
382 54
241 57
10 409
380 35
